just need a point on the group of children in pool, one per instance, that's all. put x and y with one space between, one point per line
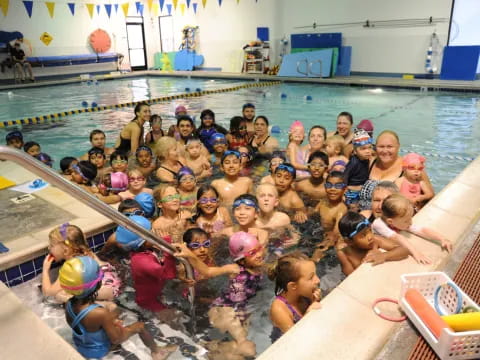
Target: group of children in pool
194 219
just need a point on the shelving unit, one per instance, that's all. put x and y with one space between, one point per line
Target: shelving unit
255 58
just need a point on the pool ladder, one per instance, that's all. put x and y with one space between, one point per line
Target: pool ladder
46 173
309 66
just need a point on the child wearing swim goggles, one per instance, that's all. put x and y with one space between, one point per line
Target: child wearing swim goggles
136 185
110 186
397 214
83 174
119 161
290 202
277 158
232 184
314 187
335 149
14 139
238 135
210 216
173 220
245 211
218 143
412 184
363 246
187 188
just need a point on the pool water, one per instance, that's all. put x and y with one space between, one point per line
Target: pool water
444 125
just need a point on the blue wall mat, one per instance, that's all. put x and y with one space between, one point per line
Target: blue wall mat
325 40
460 62
186 60
344 61
289 64
263 34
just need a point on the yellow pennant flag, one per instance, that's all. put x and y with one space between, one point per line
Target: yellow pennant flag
149 4
125 9
4 6
90 9
182 9
204 3
175 3
238 1
155 7
50 7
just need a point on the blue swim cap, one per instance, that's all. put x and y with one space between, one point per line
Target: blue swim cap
129 240
147 203
79 276
215 137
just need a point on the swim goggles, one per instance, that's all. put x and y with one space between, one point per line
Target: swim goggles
316 165
231 152
88 285
197 245
137 212
143 148
14 135
246 155
286 167
77 169
139 178
170 198
360 226
186 178
414 167
104 187
339 186
252 252
208 200
246 202
118 162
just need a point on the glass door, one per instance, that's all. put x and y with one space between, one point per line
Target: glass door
136 43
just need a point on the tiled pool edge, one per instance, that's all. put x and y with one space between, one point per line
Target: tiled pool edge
27 270
346 316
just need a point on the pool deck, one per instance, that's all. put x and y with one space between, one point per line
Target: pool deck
395 82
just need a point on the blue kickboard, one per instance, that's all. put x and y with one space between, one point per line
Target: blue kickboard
289 64
460 62
185 60
344 61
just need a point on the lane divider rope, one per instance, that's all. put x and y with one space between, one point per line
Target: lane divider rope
441 156
57 116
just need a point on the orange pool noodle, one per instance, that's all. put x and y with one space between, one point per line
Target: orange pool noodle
425 312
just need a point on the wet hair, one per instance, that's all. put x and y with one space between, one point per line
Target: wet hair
338 143
318 155
96 132
138 108
118 154
202 190
190 233
143 148
318 127
278 154
134 170
346 114
164 145
16 134
335 174
235 123
285 270
29 144
207 112
128 204
348 223
154 119
74 238
66 162
264 119
248 106
389 132
96 150
395 205
191 139
181 118
88 170
387 185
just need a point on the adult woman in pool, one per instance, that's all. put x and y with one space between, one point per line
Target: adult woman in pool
170 160
262 142
316 140
344 129
131 136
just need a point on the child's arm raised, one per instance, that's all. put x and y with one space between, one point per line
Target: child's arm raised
204 269
430 234
49 288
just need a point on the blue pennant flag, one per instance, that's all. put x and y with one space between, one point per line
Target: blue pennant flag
188 3
162 2
98 9
108 9
194 5
72 8
169 8
219 2
29 7
116 8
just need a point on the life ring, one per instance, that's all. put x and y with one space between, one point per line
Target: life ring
433 55
100 41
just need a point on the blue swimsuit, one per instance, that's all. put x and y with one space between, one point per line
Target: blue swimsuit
90 344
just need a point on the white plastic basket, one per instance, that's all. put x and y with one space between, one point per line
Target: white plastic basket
450 345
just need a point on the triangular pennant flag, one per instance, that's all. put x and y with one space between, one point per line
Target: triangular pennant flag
4 6
204 3
141 9
116 8
161 2
188 3
155 8
90 9
219 2
98 9
169 9
108 9
182 9
175 3
238 2
29 7
125 8
50 7
137 6
195 5
71 6
149 4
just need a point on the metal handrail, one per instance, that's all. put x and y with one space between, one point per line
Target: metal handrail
310 66
38 168
298 67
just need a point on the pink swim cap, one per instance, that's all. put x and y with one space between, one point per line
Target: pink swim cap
296 125
119 181
366 125
413 159
241 243
179 109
